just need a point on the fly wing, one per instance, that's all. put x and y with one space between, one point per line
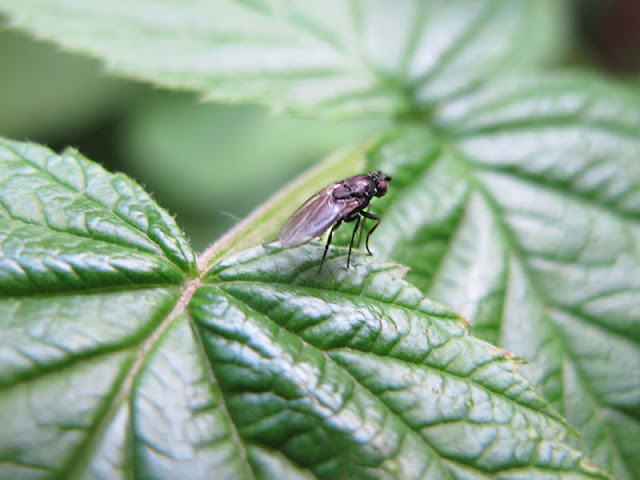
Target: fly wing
314 217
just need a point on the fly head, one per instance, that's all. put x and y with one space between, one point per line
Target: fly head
380 182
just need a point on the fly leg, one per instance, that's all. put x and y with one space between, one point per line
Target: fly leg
370 216
326 248
353 236
361 230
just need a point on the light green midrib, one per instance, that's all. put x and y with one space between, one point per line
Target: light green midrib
122 394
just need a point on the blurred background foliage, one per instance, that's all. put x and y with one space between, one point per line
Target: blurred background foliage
212 164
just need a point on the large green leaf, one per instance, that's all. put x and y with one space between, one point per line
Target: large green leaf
118 362
330 57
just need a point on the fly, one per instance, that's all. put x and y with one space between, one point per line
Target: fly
342 201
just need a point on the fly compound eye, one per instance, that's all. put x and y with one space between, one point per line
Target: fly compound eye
382 187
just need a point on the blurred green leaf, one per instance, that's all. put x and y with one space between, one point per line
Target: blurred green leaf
331 58
50 93
114 363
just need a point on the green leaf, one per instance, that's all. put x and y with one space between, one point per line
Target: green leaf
356 373
332 58
66 223
257 368
521 210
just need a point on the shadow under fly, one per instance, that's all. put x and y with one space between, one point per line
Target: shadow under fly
342 201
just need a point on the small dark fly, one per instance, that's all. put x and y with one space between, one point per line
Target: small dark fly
343 201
